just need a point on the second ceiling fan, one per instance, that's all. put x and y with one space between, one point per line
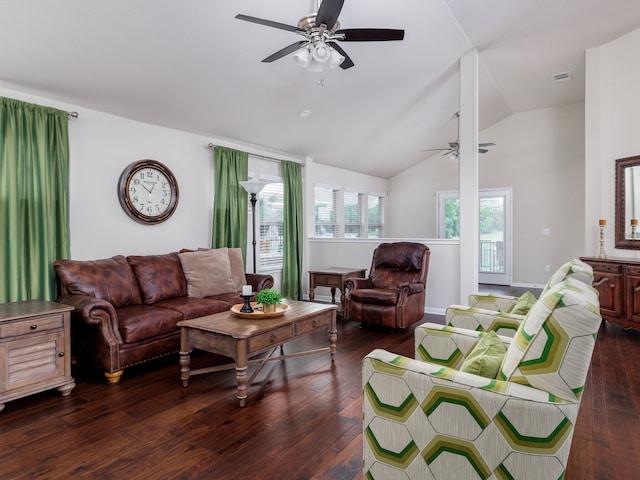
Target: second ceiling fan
454 147
321 31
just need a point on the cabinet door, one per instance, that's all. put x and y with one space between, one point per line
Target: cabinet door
633 295
31 360
611 288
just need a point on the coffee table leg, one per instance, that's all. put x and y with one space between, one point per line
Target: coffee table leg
333 335
241 370
185 357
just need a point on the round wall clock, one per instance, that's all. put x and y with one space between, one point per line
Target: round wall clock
148 191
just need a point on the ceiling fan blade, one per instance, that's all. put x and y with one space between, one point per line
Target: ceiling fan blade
482 150
347 63
435 149
268 23
284 52
371 34
486 144
329 12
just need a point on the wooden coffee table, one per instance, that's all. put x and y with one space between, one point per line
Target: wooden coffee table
242 338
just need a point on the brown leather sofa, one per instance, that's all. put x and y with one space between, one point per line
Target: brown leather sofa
393 295
127 308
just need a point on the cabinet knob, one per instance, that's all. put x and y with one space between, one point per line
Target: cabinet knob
61 354
314 323
33 327
273 337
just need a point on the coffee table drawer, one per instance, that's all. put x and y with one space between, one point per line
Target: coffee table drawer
268 339
311 324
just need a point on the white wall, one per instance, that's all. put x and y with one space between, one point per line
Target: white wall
612 103
540 154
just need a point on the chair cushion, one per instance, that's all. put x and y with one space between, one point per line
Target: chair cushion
208 272
552 348
525 302
160 276
110 279
379 296
486 356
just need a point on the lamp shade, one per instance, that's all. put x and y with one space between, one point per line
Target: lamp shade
253 186
302 57
335 59
321 52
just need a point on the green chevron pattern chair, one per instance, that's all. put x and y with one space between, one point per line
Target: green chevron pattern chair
425 419
493 312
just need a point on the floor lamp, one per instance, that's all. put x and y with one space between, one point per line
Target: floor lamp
253 187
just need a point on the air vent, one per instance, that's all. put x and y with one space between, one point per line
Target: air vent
562 76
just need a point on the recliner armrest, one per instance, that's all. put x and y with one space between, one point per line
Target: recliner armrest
355 283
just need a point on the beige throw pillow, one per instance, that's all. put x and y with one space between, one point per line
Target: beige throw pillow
237 266
208 272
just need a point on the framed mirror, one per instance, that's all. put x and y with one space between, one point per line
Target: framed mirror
628 202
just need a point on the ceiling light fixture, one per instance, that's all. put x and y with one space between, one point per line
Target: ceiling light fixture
304 113
316 55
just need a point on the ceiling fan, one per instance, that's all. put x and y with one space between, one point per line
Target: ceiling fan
454 147
321 30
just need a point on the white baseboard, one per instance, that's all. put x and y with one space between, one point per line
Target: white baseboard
527 285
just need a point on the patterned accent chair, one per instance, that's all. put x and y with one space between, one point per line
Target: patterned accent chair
425 419
394 293
492 312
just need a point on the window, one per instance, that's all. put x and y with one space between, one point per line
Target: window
271 215
344 213
375 210
326 202
353 214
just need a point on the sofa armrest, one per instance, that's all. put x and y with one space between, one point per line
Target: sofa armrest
482 320
354 283
95 311
259 281
448 346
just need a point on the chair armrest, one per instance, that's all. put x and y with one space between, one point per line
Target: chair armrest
354 283
259 281
444 345
482 320
490 301
412 288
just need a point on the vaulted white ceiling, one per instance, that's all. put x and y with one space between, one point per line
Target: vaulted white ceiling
192 66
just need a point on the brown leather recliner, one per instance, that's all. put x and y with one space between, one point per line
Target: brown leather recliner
394 293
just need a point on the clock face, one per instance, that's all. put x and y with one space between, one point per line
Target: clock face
148 191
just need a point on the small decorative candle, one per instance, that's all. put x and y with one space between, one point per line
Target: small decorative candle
602 222
634 221
247 290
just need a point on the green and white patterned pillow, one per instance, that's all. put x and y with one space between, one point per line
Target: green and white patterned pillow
552 348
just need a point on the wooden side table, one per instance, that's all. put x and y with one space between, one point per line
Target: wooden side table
333 277
35 351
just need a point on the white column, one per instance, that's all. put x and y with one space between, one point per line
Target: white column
468 174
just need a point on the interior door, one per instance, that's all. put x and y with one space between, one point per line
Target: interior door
495 257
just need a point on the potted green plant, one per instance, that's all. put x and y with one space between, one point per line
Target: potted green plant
269 298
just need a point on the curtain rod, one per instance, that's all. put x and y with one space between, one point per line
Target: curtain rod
73 114
212 146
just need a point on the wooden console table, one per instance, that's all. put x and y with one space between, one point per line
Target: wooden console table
618 282
35 352
333 277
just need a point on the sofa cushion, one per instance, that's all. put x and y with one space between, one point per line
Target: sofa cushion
553 345
208 272
142 322
192 307
110 279
524 304
160 277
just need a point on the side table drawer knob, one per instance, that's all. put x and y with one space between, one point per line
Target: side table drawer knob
314 324
33 327
61 354
273 338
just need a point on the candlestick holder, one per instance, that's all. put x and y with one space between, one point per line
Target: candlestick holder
246 308
634 232
601 251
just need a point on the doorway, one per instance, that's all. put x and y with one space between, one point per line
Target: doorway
495 220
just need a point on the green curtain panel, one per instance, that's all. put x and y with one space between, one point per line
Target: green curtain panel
230 200
293 231
34 199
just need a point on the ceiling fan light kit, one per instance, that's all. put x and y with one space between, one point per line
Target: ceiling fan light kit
321 31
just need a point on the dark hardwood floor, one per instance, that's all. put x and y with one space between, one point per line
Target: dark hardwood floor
303 419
